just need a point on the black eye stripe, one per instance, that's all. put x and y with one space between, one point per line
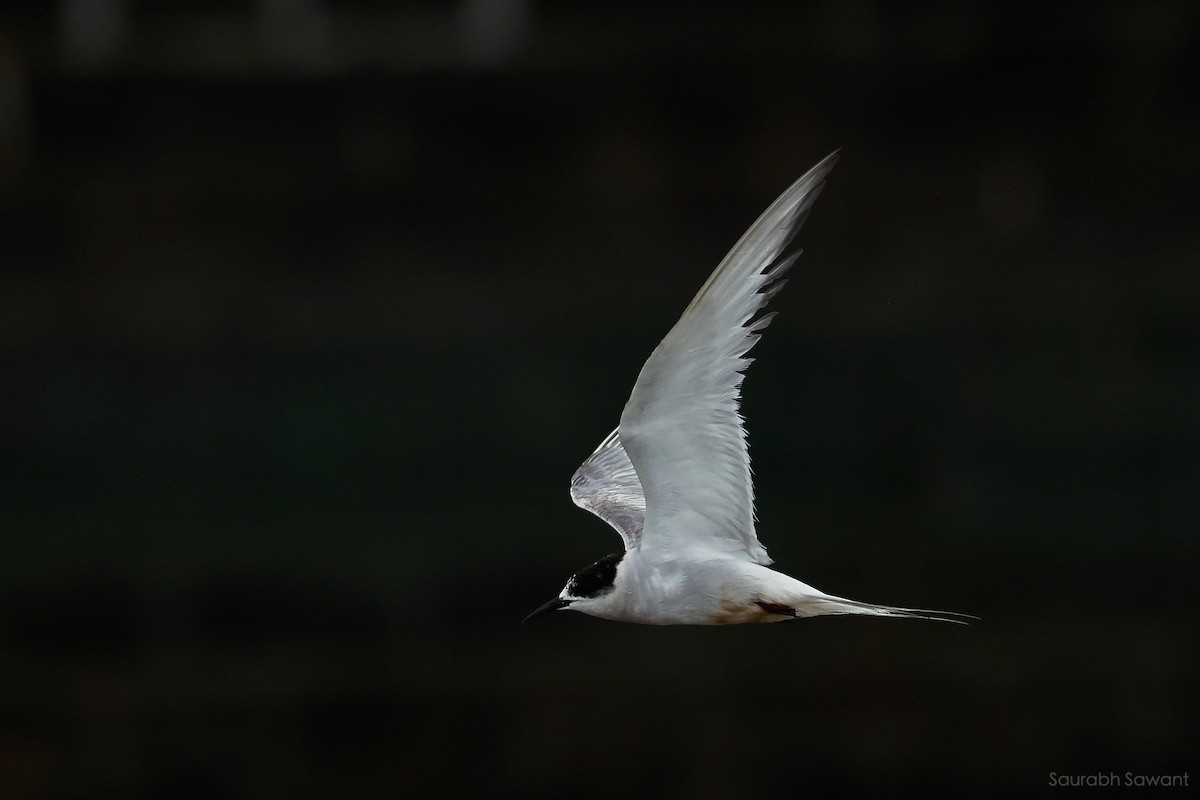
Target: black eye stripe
595 579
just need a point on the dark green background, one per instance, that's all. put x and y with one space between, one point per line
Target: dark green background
309 311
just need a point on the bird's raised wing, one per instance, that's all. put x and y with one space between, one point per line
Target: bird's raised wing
681 426
607 485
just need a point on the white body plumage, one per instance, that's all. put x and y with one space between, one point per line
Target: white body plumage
699 588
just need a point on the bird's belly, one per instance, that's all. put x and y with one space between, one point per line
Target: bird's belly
703 599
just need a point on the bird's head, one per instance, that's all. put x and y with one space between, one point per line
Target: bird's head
587 590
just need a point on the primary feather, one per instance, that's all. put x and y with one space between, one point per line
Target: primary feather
607 485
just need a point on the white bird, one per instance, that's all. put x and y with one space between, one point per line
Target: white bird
674 477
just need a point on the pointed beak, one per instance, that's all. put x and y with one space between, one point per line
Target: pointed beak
546 608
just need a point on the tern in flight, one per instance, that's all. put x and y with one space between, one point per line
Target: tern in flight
674 477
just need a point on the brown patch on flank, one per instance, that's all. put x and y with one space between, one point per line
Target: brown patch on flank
776 608
729 613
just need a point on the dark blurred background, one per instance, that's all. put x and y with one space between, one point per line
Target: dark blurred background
311 307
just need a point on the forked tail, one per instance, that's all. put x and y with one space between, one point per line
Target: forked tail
821 604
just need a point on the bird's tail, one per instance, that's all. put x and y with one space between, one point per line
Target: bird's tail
819 604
